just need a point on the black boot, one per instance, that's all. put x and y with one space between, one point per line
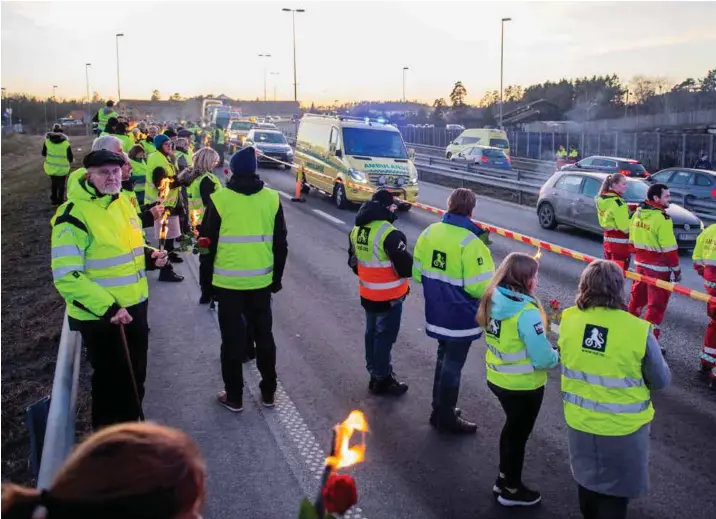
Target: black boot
175 258
167 274
389 386
455 425
205 298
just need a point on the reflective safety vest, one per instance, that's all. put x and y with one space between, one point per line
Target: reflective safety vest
561 153
184 160
507 361
127 142
377 279
139 174
219 137
104 115
613 213
131 197
603 389
455 267
151 193
705 254
573 154
651 235
196 205
98 254
149 147
56 163
244 255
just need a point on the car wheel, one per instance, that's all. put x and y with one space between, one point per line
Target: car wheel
339 196
547 218
448 156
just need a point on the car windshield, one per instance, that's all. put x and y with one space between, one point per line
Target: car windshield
237 125
374 143
500 143
636 192
269 137
494 154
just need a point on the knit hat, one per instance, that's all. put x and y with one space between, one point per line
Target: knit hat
244 162
159 140
170 133
102 157
383 197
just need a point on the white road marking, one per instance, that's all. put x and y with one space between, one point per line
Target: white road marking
328 216
285 195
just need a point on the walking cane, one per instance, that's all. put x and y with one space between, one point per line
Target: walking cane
131 372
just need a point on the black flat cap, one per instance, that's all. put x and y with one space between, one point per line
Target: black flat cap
102 157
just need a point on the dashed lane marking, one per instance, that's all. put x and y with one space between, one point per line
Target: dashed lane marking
328 217
285 195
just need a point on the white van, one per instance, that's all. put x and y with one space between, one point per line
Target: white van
480 136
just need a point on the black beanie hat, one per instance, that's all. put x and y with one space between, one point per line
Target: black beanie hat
383 197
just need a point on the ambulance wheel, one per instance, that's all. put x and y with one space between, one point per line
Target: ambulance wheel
448 156
547 218
339 196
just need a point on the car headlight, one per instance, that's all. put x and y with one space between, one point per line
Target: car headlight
357 175
413 177
289 152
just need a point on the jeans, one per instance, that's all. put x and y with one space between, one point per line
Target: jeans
594 505
381 332
521 409
448 369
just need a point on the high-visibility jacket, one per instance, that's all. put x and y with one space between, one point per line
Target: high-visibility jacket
573 154
56 162
196 205
219 136
561 153
705 254
613 213
151 193
149 147
244 254
455 267
98 254
139 174
131 197
184 160
603 389
104 115
377 279
127 142
507 363
651 236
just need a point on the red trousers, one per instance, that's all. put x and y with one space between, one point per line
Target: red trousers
708 353
654 298
620 258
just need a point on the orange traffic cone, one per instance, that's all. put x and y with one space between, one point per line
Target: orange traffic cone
299 187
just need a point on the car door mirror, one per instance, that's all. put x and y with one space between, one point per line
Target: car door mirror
339 154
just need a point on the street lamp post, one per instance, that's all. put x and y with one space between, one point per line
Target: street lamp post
502 61
264 56
54 99
404 69
275 82
89 103
295 81
118 36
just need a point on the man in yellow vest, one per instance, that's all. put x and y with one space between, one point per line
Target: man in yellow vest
247 253
705 264
379 255
218 142
103 115
99 263
58 157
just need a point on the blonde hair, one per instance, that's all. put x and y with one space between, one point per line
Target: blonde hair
515 273
611 181
461 201
205 160
601 285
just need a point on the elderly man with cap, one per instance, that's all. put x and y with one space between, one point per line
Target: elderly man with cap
99 263
378 254
247 254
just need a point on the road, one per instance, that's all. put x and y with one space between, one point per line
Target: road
262 462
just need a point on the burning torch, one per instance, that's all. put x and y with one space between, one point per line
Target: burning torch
163 193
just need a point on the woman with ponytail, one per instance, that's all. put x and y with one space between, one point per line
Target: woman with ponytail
128 471
613 212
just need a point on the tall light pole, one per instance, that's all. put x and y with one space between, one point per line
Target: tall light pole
264 56
502 61
404 69
89 103
54 98
117 37
275 82
295 81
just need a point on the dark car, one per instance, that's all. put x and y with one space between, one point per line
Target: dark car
272 144
687 183
600 164
485 156
569 198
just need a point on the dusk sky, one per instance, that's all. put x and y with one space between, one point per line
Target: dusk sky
346 50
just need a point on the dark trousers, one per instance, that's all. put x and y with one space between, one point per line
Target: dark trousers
220 149
381 332
594 505
255 305
113 398
448 370
521 409
57 187
206 270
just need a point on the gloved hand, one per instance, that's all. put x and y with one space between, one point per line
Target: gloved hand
699 269
276 287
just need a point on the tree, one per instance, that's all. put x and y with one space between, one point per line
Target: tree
155 95
513 94
457 96
175 97
490 98
708 84
687 85
643 87
439 106
96 97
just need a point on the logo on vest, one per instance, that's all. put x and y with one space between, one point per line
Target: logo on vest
494 327
363 235
595 338
439 260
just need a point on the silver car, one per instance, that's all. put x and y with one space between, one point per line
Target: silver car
569 198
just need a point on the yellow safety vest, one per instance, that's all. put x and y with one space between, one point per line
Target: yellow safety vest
603 389
56 163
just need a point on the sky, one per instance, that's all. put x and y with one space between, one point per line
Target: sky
346 50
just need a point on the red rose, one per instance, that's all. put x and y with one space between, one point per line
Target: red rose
204 242
226 172
339 494
554 304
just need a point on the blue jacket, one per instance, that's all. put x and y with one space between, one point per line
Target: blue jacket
533 332
449 306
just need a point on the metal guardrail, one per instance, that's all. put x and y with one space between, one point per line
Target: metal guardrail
60 431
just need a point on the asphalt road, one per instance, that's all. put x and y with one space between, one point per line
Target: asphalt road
261 461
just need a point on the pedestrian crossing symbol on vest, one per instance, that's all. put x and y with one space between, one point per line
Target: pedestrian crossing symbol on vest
595 338
494 327
363 235
439 260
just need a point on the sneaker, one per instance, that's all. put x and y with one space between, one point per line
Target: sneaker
523 496
175 258
499 485
234 407
268 399
389 386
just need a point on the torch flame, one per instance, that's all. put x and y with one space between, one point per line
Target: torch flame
164 227
345 454
164 188
194 218
538 255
